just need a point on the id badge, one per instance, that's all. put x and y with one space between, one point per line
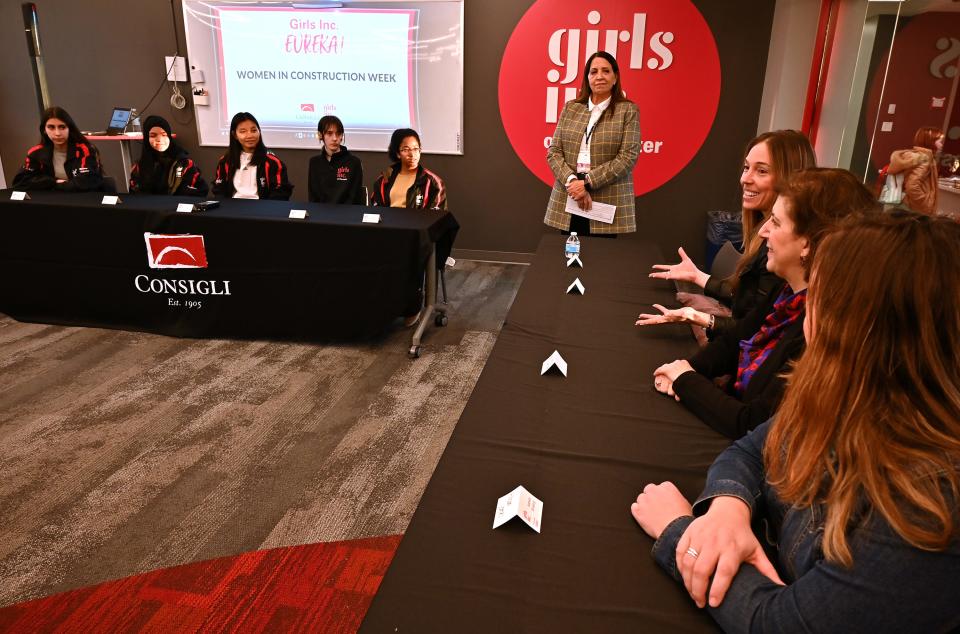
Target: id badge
583 161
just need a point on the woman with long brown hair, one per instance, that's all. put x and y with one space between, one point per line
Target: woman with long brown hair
768 160
858 476
761 345
919 167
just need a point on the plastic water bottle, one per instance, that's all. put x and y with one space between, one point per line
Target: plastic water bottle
133 126
572 247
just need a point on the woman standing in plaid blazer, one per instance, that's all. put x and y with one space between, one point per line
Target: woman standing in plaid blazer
594 150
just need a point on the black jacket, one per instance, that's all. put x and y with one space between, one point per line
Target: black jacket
427 191
182 179
84 173
756 283
720 409
338 181
272 180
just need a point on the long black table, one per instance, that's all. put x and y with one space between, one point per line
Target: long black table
68 259
585 445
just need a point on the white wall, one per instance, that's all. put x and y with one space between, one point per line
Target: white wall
788 64
841 83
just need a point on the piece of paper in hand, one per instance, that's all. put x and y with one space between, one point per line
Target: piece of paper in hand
575 262
519 503
554 360
601 212
576 288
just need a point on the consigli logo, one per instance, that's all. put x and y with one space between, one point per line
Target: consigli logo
175 251
669 67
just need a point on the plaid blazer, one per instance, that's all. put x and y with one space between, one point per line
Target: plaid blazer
614 146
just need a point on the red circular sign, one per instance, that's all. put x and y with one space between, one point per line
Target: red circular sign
668 63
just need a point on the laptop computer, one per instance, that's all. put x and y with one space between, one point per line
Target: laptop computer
118 121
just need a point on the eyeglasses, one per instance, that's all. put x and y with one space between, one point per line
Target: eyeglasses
409 150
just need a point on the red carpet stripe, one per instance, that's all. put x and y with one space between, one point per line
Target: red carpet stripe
312 588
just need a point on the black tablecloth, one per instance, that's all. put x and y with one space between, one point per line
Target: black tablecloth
585 445
67 259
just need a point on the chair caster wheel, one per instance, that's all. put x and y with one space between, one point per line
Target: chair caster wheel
414 352
440 320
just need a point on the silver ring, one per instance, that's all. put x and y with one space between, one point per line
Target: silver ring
693 552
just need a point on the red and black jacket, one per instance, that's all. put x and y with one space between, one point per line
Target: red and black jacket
84 172
272 180
183 178
427 191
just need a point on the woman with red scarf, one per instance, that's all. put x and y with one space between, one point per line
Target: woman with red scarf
758 350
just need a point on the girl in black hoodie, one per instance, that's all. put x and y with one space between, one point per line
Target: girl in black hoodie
336 175
63 160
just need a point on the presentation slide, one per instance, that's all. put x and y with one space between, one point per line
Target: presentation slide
377 65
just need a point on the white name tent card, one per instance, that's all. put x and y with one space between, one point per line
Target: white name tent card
575 262
19 196
185 208
576 288
298 214
110 200
601 212
371 218
554 360
519 503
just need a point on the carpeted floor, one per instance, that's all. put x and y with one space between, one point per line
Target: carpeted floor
126 452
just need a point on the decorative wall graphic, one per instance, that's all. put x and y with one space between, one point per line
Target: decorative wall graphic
669 67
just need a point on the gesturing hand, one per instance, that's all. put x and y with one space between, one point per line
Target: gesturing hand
657 506
673 315
715 545
685 271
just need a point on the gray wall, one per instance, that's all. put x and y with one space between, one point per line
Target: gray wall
102 53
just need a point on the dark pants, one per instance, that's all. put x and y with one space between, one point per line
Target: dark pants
582 226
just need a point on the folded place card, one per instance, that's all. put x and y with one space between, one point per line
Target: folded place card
185 208
576 288
519 503
575 262
110 200
298 214
371 218
554 360
19 196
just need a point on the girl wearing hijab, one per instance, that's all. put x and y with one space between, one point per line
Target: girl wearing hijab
164 167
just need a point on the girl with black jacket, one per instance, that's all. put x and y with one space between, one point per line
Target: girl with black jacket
248 169
63 160
335 175
164 167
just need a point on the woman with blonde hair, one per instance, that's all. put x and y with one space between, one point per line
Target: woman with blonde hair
768 160
919 167
858 475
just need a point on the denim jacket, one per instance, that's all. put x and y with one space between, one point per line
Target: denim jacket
891 586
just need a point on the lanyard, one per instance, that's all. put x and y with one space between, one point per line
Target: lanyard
590 129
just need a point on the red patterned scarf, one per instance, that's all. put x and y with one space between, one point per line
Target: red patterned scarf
754 351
